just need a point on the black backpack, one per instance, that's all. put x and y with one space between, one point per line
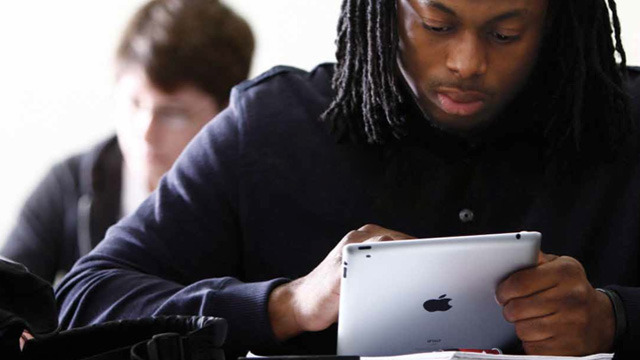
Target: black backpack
27 304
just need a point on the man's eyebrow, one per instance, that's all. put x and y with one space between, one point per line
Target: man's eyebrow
516 13
438 5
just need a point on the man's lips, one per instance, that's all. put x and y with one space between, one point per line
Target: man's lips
462 103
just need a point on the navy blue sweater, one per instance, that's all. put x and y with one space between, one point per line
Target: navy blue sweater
265 191
69 212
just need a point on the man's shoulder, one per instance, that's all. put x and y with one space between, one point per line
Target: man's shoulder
76 171
633 88
319 77
633 80
634 71
285 86
283 100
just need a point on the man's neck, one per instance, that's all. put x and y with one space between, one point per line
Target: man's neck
134 191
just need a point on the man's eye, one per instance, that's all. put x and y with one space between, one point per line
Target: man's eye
437 29
502 38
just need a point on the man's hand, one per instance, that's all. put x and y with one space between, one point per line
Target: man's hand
311 302
26 336
555 309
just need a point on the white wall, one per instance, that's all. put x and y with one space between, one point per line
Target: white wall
55 78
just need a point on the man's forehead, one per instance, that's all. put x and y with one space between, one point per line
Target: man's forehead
450 6
484 10
481 2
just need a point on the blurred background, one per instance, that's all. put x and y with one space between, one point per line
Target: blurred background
56 77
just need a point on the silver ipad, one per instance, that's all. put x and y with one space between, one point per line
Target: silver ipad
409 296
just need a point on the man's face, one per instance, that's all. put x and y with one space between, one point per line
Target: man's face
465 60
154 126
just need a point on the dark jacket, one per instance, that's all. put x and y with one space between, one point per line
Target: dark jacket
69 212
264 192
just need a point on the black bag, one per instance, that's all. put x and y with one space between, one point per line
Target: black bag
27 303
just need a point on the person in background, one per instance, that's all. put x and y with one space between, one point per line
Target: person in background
175 65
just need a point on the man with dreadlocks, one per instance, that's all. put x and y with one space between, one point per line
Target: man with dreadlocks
441 118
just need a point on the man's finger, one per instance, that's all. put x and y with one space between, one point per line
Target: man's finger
537 329
527 282
380 238
555 346
355 236
541 348
545 258
541 304
375 230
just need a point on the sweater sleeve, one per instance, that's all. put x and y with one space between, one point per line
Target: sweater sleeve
40 228
181 251
627 346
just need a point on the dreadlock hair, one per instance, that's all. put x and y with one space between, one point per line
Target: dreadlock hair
580 86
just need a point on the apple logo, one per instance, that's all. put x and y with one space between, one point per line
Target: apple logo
439 304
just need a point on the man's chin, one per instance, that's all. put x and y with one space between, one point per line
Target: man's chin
153 177
154 181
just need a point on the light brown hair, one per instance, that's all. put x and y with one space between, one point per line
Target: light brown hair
197 42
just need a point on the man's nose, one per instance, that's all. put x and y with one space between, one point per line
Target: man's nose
467 56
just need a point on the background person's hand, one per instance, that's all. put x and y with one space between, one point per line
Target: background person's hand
26 336
311 302
555 309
